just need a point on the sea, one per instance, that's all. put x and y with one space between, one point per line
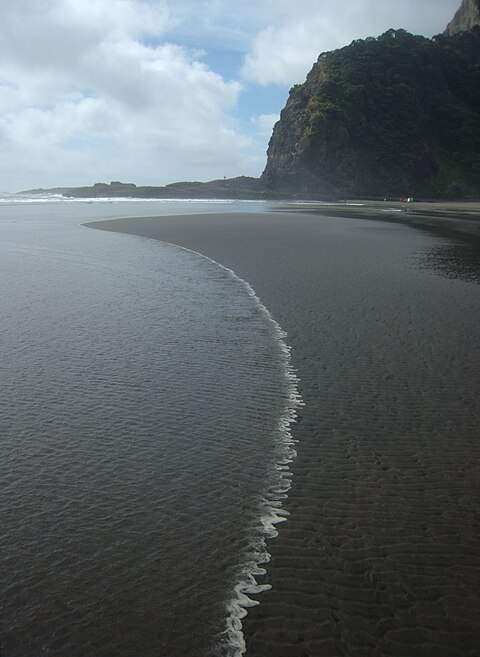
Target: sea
145 415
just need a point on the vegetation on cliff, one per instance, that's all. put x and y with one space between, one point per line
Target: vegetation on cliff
393 115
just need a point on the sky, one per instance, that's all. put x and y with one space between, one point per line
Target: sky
156 91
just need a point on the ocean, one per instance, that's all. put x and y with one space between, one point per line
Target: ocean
147 397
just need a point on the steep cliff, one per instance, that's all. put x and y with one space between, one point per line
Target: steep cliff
393 115
467 17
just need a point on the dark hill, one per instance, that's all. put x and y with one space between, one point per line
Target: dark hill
395 115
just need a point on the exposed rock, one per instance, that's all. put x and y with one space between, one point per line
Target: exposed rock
467 17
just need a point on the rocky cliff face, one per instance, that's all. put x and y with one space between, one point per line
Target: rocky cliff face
394 116
467 17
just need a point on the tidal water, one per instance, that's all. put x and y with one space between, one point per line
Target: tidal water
143 427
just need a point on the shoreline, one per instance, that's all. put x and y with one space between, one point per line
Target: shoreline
380 553
271 510
447 218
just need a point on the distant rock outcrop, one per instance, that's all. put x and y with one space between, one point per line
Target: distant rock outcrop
466 18
225 188
397 115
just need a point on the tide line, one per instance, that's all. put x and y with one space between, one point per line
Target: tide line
271 511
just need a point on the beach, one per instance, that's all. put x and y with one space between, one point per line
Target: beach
380 555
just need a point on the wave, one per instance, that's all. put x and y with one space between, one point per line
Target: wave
271 511
15 199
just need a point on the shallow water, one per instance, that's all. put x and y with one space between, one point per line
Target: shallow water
142 387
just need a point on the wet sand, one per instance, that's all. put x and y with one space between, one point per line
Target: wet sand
381 553
454 219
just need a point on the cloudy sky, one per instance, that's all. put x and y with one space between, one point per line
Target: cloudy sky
154 91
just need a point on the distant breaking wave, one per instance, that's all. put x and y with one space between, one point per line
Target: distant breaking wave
14 199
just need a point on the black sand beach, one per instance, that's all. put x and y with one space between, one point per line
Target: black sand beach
381 553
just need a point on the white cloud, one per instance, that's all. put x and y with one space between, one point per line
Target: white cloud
264 123
284 54
100 103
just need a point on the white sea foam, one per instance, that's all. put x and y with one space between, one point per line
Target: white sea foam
271 511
